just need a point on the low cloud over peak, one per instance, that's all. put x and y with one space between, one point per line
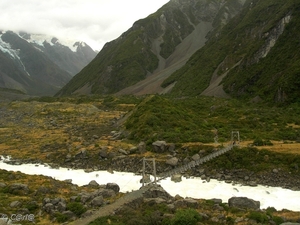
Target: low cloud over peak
93 21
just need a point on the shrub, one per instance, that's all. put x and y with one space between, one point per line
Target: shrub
230 220
258 142
278 220
32 206
258 217
76 207
61 218
186 217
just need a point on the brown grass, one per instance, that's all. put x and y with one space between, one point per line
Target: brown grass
278 146
24 138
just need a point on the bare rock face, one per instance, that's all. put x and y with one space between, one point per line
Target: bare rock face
244 203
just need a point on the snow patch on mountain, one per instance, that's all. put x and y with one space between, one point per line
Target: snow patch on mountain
14 53
6 48
39 39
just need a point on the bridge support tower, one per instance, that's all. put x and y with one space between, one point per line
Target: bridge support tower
235 137
145 160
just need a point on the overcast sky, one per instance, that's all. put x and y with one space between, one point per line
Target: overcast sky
93 21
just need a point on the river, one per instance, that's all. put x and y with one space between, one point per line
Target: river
276 197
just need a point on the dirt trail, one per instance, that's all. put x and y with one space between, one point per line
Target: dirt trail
111 208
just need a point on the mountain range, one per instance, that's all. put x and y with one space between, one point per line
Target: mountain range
39 64
225 48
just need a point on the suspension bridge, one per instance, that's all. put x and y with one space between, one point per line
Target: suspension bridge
132 196
235 139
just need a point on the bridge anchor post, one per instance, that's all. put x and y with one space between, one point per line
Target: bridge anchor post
235 137
153 170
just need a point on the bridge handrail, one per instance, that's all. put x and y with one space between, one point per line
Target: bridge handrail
193 163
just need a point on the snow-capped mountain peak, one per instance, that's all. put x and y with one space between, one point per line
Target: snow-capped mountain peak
39 39
46 61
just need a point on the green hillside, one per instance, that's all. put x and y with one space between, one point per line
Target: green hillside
200 119
242 40
139 51
255 44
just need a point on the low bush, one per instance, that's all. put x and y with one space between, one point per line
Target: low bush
61 218
258 217
76 207
186 217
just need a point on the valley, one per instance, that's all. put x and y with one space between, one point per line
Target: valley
97 133
209 89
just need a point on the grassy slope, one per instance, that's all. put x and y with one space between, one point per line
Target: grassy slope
197 119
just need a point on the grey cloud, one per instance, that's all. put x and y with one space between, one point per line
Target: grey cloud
93 21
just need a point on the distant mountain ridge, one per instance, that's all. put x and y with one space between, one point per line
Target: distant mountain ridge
38 66
238 48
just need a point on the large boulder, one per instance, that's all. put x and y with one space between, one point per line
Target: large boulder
122 151
176 178
19 189
157 191
85 197
15 204
196 157
147 179
113 186
61 206
172 147
103 153
81 154
49 207
97 201
187 202
142 147
172 161
159 146
106 193
244 203
93 183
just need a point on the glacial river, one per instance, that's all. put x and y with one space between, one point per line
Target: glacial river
276 197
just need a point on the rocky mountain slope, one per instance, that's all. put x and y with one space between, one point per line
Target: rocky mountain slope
36 66
254 56
223 48
153 47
